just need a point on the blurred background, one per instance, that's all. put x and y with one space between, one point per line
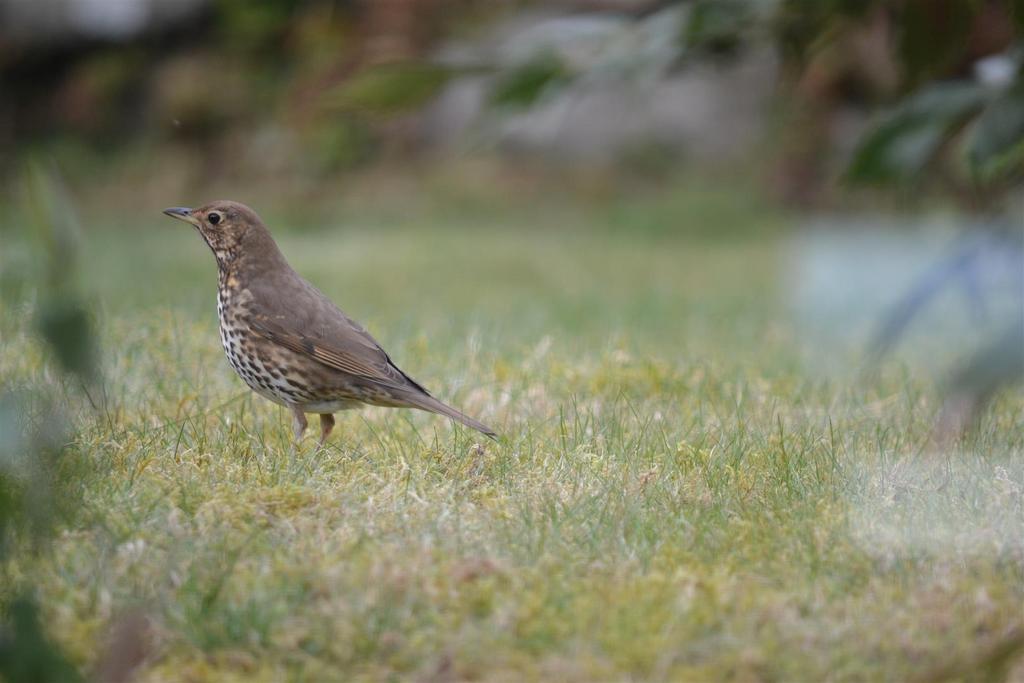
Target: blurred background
673 235
298 93
879 141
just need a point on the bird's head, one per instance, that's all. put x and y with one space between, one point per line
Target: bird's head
226 226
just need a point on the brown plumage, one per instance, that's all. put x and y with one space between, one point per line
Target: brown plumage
286 339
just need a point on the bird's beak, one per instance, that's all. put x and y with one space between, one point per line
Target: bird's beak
182 214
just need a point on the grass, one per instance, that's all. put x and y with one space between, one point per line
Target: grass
677 495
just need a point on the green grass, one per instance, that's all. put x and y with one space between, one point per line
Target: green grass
677 494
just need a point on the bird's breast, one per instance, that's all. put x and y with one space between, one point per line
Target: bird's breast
273 372
231 314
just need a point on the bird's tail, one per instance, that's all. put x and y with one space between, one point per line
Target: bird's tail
431 404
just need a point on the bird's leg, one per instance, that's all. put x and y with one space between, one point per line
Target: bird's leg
298 422
326 425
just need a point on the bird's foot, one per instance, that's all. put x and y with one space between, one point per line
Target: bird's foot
298 423
326 425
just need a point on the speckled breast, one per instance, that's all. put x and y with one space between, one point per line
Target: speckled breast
273 372
257 361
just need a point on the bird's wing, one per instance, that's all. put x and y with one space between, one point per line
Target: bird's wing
354 360
311 325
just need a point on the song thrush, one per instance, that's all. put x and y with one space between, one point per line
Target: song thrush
287 340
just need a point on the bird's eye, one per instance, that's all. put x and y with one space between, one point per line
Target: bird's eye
214 218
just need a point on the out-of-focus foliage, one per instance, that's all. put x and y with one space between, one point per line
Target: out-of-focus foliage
296 71
985 121
389 88
286 87
996 137
254 28
936 45
953 79
901 145
27 655
934 35
930 38
720 26
61 317
37 484
522 86
33 426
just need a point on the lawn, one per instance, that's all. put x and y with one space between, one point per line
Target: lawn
677 494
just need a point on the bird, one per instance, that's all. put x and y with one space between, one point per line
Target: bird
286 340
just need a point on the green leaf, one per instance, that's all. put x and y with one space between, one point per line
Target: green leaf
64 322
718 25
27 654
524 85
905 141
998 132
